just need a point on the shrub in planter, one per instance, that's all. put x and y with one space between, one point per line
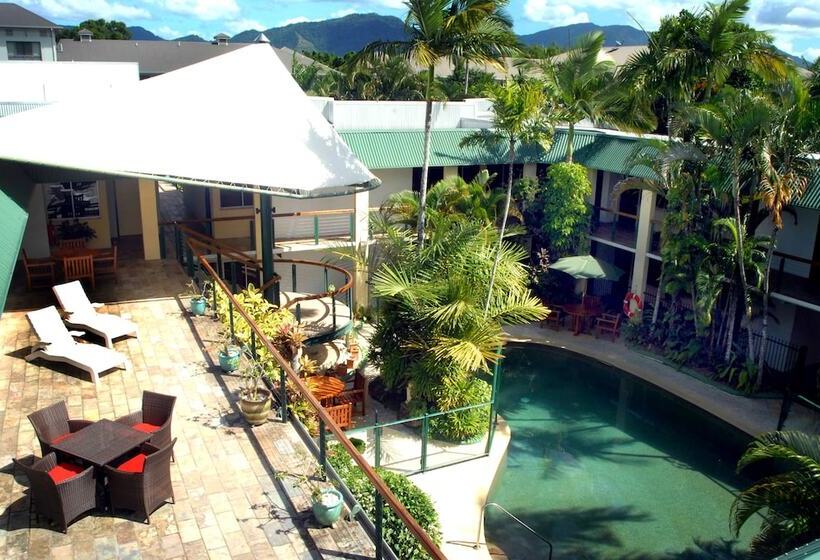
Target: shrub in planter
456 391
419 504
254 400
199 297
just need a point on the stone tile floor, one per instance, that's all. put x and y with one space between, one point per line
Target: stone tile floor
229 504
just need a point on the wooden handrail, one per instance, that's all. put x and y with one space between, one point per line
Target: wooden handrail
803 260
380 486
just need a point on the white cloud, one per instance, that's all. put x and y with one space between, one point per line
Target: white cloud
811 54
343 12
83 9
392 4
238 25
297 19
168 33
545 11
201 9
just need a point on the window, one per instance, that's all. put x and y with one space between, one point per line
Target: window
24 50
65 201
469 172
500 171
434 175
235 199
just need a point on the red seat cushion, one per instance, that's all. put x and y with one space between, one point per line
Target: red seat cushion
64 471
135 464
58 439
147 428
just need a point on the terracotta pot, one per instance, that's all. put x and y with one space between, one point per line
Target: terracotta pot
256 411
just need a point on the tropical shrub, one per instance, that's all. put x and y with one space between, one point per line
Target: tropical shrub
788 498
458 391
566 216
418 504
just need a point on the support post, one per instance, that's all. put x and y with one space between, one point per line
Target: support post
322 448
643 242
149 218
425 432
377 436
266 209
379 526
283 395
360 237
315 230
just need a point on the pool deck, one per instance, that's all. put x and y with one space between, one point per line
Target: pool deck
751 415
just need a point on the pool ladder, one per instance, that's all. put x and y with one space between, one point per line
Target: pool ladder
514 518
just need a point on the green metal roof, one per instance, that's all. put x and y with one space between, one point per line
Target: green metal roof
11 107
811 199
392 149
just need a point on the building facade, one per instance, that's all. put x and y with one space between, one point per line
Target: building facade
25 36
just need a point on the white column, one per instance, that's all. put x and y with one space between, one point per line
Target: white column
643 242
450 171
361 218
149 218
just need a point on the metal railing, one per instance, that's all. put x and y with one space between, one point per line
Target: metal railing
532 531
382 492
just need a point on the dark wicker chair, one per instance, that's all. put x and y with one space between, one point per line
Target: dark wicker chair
142 483
52 425
59 491
154 418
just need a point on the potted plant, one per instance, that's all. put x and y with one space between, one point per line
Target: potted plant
289 340
254 400
199 300
326 502
75 229
229 354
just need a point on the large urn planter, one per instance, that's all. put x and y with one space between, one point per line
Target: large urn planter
255 411
229 358
198 305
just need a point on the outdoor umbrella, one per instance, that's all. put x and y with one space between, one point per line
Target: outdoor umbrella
586 267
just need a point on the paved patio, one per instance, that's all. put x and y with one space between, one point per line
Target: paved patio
229 504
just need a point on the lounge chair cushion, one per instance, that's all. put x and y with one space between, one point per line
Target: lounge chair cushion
64 471
135 464
146 428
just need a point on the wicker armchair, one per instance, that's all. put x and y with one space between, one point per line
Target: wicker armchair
142 483
59 491
154 418
52 425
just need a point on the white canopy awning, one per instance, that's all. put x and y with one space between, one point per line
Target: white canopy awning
238 120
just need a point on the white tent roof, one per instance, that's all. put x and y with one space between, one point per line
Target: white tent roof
237 120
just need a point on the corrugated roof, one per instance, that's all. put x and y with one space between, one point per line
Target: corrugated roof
811 199
11 107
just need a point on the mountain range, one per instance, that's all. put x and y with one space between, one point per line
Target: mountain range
352 32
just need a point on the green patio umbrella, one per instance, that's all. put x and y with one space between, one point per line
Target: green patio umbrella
586 267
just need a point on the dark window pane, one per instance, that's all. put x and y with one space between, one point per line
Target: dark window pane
235 199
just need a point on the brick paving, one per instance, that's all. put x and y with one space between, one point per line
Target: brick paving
229 504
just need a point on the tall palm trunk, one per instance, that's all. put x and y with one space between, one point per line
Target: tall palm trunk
510 167
425 162
764 331
570 141
747 305
731 315
466 77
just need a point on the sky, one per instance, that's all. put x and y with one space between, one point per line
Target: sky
795 24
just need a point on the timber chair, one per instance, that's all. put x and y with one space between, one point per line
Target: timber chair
77 268
142 482
71 243
57 344
608 324
153 418
59 491
52 425
83 314
356 395
105 264
38 269
342 414
554 319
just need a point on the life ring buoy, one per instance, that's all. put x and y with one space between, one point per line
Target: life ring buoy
632 304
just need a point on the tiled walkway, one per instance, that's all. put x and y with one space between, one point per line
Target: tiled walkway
229 504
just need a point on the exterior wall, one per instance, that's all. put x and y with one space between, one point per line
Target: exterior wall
794 239
193 198
230 229
45 37
531 171
393 181
101 225
149 217
347 115
35 238
48 82
127 202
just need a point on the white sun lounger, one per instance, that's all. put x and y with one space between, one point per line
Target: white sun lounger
83 314
58 345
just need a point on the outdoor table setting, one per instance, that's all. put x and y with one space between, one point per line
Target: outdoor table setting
580 312
102 442
585 267
325 387
60 253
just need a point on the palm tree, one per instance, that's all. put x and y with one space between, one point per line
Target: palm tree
785 171
729 126
438 30
789 501
579 87
519 117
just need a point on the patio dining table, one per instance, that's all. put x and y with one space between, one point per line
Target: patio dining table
102 442
325 387
580 313
61 253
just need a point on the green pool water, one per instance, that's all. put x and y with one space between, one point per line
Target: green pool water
606 466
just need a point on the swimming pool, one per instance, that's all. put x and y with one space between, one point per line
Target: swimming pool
607 466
